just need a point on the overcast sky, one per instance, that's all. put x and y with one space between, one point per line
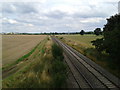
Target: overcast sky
56 15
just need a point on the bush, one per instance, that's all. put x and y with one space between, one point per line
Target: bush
58 66
57 52
61 37
98 43
59 69
59 73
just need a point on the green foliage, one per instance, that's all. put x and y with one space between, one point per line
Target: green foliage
29 82
111 39
61 37
48 38
25 56
45 71
84 46
58 66
59 73
82 32
59 80
59 69
98 43
90 32
57 52
97 31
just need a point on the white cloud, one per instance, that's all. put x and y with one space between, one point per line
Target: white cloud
64 8
31 25
40 1
11 21
56 15
91 20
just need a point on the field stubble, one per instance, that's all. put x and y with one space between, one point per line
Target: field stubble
15 46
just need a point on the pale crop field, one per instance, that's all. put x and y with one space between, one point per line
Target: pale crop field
15 46
83 40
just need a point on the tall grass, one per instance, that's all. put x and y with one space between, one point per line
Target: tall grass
45 71
57 52
59 68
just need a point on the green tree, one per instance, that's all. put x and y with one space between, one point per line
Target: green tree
98 43
97 31
111 38
82 32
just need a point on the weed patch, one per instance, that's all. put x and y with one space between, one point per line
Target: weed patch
57 52
59 68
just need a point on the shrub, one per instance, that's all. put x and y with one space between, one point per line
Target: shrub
59 73
59 69
61 37
57 52
98 44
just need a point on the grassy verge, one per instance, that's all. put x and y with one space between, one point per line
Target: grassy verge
59 69
42 69
84 46
25 56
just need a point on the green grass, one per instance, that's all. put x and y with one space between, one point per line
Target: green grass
83 45
57 52
84 40
41 70
25 56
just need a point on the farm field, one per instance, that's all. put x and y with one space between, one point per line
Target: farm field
84 40
15 46
40 69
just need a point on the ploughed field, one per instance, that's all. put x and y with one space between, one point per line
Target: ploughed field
15 46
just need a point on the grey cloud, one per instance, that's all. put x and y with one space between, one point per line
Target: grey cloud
23 8
56 14
90 14
26 8
7 8
45 20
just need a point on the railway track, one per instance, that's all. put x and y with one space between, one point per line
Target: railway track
86 73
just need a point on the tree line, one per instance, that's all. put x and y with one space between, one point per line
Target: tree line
97 31
110 43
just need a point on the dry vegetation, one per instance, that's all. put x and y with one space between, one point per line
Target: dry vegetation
39 70
15 46
82 40
82 43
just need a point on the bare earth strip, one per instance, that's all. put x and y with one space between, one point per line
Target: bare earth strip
15 46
